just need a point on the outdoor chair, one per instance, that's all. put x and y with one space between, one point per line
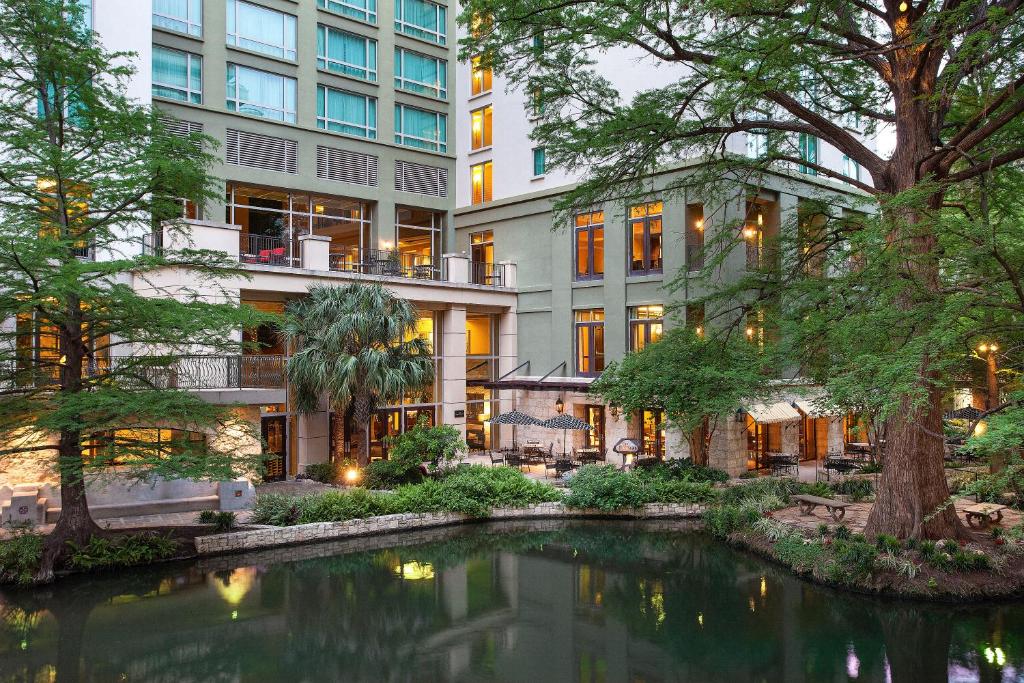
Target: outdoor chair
515 459
496 458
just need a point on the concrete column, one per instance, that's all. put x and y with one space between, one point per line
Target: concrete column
453 368
508 359
315 252
313 444
457 268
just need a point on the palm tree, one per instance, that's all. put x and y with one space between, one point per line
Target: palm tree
357 345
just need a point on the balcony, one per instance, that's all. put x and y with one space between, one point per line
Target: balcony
387 262
488 274
265 250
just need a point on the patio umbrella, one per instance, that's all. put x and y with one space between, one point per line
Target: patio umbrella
968 413
565 423
515 418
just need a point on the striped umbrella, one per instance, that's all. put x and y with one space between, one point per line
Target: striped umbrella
515 418
565 423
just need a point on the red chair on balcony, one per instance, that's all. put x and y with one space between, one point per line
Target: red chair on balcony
275 255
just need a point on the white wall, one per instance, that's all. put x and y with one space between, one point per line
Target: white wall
126 26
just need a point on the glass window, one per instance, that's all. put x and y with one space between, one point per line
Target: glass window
418 241
346 53
260 93
421 19
364 10
346 112
652 424
645 238
589 237
480 127
183 16
261 29
177 75
420 73
851 169
694 236
753 235
646 324
695 318
809 153
481 178
539 162
757 145
421 128
480 77
590 342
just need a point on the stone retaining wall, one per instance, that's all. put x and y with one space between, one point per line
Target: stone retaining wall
256 539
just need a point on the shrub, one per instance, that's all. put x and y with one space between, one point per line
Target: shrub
818 488
395 471
799 553
934 555
224 521
856 489
760 489
685 469
888 561
722 520
19 557
439 445
207 517
323 472
843 533
822 530
102 552
607 488
967 561
750 474
888 544
772 529
851 561
276 509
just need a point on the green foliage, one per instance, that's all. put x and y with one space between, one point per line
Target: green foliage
470 490
323 472
842 533
722 520
967 561
856 489
760 489
207 517
1005 431
818 488
851 561
19 557
439 445
607 488
993 487
221 521
888 544
686 470
102 552
802 555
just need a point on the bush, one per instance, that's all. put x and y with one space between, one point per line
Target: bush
851 561
760 489
102 552
607 488
678 468
207 517
967 561
276 509
799 553
722 520
323 472
818 488
393 472
856 489
19 557
439 445
888 544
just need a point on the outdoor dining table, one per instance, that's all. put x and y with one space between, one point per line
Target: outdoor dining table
588 454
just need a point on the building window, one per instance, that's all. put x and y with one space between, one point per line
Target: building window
421 19
346 53
421 74
593 415
261 29
589 238
694 236
480 127
346 112
652 433
481 180
646 324
481 246
753 236
260 93
539 162
177 75
809 153
421 128
757 144
645 238
536 103
695 318
124 446
479 77
418 241
364 10
851 169
590 342
183 16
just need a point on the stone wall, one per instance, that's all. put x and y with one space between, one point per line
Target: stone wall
269 537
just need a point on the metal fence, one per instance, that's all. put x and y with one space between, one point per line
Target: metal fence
265 250
484 273
388 262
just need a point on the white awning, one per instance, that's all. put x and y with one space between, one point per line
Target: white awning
766 413
811 409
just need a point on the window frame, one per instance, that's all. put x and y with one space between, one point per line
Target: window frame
808 152
350 10
486 78
284 50
286 80
595 332
191 58
323 122
543 162
486 136
590 228
440 91
645 323
188 21
486 182
403 27
324 61
647 267
439 145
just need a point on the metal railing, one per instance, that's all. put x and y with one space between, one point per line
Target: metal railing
485 273
265 250
387 262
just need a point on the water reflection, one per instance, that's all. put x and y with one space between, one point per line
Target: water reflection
587 603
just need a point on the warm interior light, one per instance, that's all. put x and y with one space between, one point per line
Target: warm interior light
903 7
980 428
559 405
386 244
750 233
993 347
699 224
760 218
352 475
700 331
750 331
983 348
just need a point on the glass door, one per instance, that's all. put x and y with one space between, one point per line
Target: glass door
274 430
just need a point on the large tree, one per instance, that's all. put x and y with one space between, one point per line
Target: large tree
358 346
89 343
944 76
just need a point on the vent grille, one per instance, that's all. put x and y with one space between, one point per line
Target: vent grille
261 151
421 179
180 127
345 166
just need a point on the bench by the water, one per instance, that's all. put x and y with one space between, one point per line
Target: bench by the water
836 508
980 516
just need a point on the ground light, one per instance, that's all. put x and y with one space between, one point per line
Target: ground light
352 475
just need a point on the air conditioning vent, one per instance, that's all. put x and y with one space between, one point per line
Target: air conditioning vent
261 151
421 179
180 127
345 166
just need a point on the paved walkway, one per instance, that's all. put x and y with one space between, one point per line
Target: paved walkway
857 516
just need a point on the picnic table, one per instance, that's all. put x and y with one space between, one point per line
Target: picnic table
980 516
836 508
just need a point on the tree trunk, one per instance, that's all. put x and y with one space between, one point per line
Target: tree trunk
75 524
339 434
362 412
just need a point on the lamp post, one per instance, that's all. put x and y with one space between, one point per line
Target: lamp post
991 382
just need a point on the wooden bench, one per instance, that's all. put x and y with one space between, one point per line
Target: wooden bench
980 516
836 508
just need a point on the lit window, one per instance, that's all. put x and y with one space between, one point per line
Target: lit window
420 73
480 77
261 29
421 19
346 53
421 128
695 318
645 238
480 127
183 16
482 181
589 240
590 342
177 75
364 10
346 112
539 162
646 324
694 236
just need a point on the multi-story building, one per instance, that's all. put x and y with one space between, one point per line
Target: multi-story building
335 157
595 288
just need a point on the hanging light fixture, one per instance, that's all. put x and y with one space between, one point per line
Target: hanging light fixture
559 405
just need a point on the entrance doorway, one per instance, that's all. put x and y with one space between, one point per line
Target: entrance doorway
274 429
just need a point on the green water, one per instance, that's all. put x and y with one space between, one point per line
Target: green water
581 603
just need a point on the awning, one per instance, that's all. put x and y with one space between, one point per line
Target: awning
811 409
766 413
573 384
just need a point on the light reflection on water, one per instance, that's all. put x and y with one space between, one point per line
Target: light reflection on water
580 603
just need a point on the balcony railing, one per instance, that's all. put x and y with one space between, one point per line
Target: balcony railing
265 250
388 262
489 274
